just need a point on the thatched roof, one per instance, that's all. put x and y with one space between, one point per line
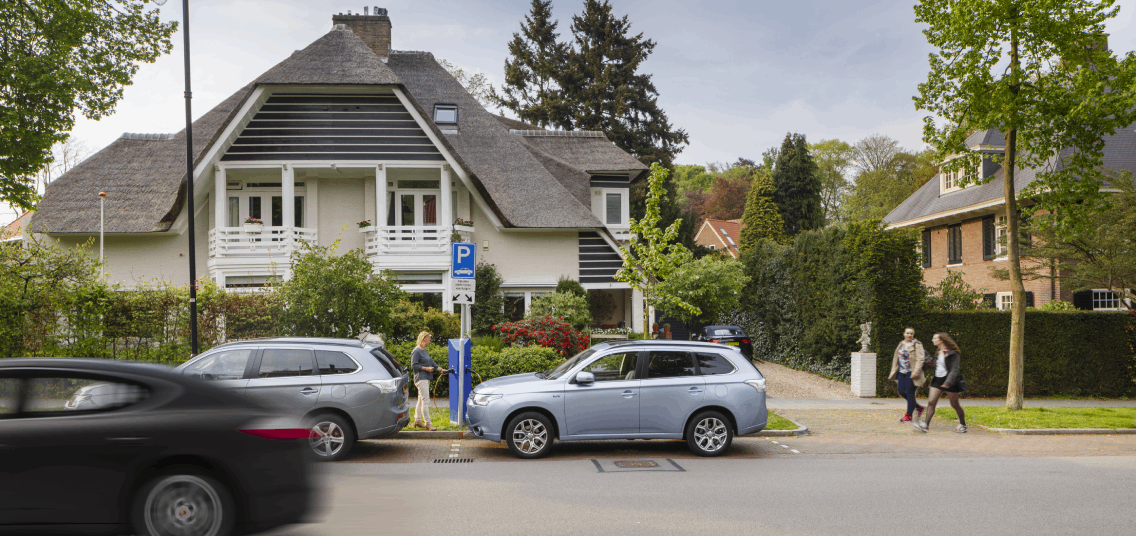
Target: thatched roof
521 191
537 180
143 177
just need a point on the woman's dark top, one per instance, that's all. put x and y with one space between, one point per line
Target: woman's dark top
951 361
420 359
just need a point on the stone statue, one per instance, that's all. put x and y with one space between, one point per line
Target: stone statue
865 337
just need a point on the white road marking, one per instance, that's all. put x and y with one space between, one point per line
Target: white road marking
795 451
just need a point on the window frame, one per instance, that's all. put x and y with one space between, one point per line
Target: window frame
639 354
1116 297
251 366
698 365
623 207
926 249
646 357
25 376
445 107
954 243
255 375
319 370
1003 298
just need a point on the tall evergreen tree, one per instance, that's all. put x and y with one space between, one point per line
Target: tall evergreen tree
797 184
537 60
606 91
762 220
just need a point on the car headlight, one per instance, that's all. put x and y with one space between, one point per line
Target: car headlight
385 386
757 384
483 399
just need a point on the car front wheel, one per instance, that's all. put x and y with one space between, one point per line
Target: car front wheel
331 437
183 504
709 434
529 435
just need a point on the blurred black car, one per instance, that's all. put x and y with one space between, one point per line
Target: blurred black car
729 336
104 447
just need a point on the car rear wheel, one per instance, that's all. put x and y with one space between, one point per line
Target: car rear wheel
529 435
183 503
331 437
709 434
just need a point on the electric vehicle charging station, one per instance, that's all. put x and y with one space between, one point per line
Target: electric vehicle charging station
463 273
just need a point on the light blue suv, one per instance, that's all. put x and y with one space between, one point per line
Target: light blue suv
703 393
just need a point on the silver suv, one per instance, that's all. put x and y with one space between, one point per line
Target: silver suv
701 392
344 389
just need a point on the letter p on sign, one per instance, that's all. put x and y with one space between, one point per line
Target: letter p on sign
463 261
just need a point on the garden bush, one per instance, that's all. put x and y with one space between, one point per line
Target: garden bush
804 302
408 319
567 306
1072 354
545 331
487 362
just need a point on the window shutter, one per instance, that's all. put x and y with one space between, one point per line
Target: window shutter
1029 299
990 299
1083 300
988 238
926 249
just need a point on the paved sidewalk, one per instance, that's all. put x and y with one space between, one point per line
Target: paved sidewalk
900 404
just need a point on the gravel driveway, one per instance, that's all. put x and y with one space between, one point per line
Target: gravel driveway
784 382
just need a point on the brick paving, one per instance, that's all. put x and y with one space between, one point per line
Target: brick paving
834 433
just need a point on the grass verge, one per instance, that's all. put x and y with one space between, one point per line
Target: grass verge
777 422
994 417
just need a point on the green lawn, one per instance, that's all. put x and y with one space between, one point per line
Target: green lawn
441 420
777 422
995 417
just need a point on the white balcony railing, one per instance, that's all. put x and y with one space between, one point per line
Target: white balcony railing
424 240
269 241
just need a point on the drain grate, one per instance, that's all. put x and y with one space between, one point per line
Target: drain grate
635 464
453 460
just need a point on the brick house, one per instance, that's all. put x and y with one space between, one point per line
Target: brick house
381 149
964 227
720 235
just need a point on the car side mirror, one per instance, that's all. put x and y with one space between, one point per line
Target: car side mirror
585 378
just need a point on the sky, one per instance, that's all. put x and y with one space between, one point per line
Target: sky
737 76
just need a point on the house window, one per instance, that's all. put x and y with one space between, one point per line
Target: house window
1004 301
613 208
445 114
254 207
234 211
1001 246
711 246
1106 300
926 249
954 244
993 237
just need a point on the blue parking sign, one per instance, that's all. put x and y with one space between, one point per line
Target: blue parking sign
463 260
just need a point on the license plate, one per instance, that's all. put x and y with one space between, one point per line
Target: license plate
733 343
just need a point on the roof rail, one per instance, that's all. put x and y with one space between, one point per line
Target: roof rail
326 341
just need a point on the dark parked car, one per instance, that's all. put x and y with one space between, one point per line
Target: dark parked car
729 336
156 453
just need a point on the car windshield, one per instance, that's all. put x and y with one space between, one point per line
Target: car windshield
567 365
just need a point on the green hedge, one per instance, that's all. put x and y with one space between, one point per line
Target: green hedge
805 301
1072 354
487 362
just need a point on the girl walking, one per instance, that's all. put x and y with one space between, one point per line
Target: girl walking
907 372
947 379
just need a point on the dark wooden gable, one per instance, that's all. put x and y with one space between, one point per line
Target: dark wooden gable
332 127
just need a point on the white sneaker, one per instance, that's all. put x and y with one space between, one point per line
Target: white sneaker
961 429
920 425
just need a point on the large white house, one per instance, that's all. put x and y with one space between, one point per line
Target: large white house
348 131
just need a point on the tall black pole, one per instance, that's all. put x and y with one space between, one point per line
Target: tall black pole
189 185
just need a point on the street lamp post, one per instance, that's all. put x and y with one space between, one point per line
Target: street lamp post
102 219
189 180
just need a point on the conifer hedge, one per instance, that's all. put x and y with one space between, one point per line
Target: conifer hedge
1073 354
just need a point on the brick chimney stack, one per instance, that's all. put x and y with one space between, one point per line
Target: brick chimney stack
373 29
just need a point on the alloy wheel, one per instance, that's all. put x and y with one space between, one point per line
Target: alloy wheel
326 439
530 436
710 434
183 505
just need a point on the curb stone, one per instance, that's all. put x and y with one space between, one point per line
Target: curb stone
800 431
1062 431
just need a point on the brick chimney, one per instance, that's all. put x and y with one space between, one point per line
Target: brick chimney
373 29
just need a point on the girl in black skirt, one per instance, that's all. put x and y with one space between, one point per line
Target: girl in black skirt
947 379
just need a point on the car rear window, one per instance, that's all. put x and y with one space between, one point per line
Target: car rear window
388 362
669 364
727 331
712 363
335 363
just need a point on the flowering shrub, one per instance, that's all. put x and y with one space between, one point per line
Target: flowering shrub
254 220
611 331
364 224
545 331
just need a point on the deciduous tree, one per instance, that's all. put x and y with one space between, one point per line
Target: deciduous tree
876 193
59 58
653 255
476 84
1040 73
711 284
833 159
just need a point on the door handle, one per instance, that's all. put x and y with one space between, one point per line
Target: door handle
309 391
628 393
694 390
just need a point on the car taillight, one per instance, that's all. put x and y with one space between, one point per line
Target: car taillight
714 340
279 434
745 341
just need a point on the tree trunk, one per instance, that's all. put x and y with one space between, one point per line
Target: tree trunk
1015 390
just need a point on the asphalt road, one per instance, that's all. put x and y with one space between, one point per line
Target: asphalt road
786 495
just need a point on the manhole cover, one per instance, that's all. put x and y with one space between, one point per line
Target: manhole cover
635 464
